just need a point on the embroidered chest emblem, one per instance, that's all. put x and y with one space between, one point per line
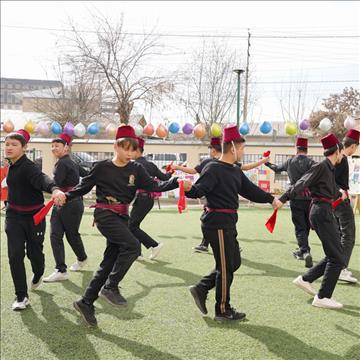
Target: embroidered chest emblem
131 180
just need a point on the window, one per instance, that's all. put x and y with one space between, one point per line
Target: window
249 158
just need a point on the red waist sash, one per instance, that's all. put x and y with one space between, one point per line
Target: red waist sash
225 211
122 209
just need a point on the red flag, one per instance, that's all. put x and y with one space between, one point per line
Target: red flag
266 154
337 202
40 215
271 221
169 169
181 201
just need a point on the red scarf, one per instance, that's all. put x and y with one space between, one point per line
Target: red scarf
40 215
271 221
182 200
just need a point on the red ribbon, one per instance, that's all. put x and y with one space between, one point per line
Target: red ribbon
169 169
336 203
40 215
271 221
181 201
266 154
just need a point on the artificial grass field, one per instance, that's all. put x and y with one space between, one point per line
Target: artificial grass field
162 321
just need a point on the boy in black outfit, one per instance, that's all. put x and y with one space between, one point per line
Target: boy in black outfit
320 180
116 183
26 184
221 182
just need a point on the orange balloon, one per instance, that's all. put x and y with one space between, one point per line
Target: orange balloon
199 131
161 131
148 129
8 126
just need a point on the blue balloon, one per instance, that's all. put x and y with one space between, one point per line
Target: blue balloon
93 128
265 127
56 128
174 127
244 129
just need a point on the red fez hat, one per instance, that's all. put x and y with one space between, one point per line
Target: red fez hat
24 134
353 134
65 138
231 133
215 141
302 142
329 141
141 142
125 131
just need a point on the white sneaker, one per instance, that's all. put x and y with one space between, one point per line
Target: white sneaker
326 303
155 251
346 275
306 286
20 305
78 265
33 286
140 258
56 276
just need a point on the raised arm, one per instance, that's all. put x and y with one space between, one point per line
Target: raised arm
254 165
184 169
146 182
278 168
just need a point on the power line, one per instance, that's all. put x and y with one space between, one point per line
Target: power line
195 35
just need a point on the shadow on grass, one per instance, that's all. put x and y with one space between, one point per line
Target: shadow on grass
279 342
264 241
268 269
69 341
162 267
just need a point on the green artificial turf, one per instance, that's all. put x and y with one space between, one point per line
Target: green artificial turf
161 320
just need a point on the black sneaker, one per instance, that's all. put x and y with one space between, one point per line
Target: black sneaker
113 296
308 260
86 311
201 249
298 254
230 315
200 298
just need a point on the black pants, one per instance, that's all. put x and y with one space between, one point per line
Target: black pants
122 248
227 260
141 207
300 217
346 221
326 227
23 234
66 220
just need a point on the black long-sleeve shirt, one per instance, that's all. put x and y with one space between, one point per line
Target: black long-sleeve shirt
221 183
66 172
26 183
152 169
295 167
320 180
200 167
116 184
342 174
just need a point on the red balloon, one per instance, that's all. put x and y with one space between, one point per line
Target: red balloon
148 129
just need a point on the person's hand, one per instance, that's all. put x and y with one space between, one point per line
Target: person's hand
344 195
187 185
265 159
59 197
174 167
277 204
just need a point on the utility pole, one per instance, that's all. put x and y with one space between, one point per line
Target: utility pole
245 108
239 72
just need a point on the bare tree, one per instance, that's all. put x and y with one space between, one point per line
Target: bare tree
79 97
209 83
121 60
337 107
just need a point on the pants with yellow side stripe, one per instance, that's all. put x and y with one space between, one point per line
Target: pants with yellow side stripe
227 260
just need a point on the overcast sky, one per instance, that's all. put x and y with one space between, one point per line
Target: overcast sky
322 65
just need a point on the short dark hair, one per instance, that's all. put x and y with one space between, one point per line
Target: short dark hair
127 143
228 145
58 140
349 141
302 149
217 148
332 150
16 136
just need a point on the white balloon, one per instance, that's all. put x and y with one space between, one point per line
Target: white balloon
138 130
325 124
349 123
79 130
